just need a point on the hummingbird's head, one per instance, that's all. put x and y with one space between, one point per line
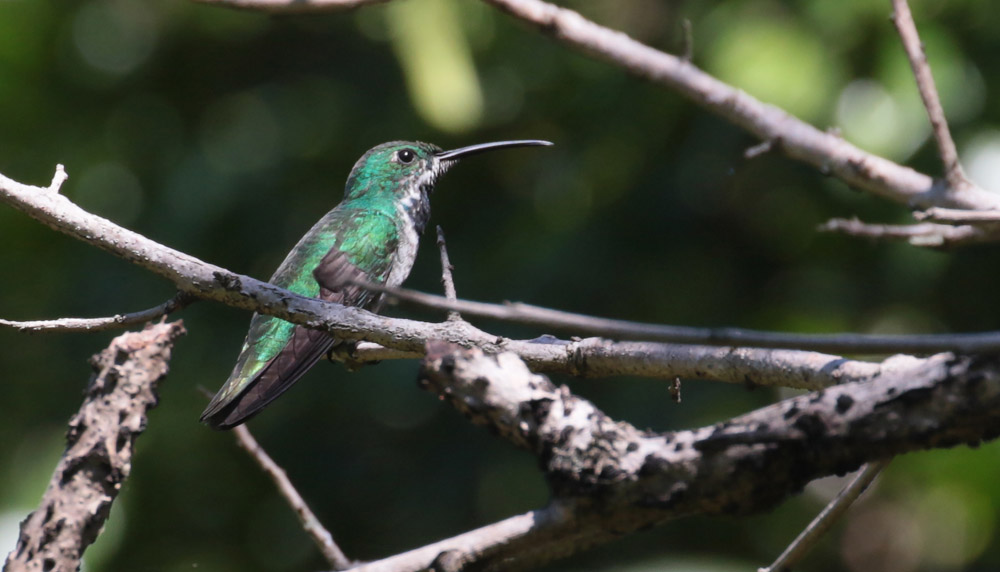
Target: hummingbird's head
407 170
395 170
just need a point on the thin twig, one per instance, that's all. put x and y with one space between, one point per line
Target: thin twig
179 301
903 20
58 178
516 312
760 148
320 535
926 234
687 48
826 518
293 6
958 216
446 274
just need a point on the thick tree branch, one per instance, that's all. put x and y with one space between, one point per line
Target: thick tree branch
610 479
99 447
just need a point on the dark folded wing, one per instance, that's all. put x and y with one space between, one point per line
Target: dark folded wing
337 277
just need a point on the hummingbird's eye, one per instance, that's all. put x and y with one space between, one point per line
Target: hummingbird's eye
406 156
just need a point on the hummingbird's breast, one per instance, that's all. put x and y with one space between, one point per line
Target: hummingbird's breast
412 214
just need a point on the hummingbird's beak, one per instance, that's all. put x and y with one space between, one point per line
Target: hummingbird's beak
474 149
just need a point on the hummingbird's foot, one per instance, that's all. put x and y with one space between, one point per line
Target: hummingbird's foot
344 353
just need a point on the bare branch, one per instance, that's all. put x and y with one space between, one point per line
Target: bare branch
447 280
172 305
830 514
939 214
903 20
553 521
520 313
313 527
293 6
927 234
58 178
207 281
99 447
753 367
610 479
799 140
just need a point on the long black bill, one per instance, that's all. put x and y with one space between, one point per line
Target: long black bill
475 149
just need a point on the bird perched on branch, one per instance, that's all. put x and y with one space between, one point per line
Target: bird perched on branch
371 236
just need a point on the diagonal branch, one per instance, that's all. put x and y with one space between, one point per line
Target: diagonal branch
902 18
320 535
799 140
827 517
99 447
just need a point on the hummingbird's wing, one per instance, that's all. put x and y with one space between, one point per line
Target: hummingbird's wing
277 353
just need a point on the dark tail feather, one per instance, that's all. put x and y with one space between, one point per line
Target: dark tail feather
303 350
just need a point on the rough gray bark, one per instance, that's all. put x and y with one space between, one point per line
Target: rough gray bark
99 447
609 478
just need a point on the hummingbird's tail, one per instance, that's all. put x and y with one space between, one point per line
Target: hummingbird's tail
244 396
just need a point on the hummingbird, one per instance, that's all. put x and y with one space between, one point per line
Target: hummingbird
371 236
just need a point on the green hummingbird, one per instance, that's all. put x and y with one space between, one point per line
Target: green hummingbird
371 236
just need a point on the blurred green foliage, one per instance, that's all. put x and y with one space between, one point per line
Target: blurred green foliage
225 134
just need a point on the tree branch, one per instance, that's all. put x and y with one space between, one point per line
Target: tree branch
927 234
830 514
939 214
313 527
99 447
521 313
293 6
203 280
902 18
447 278
610 479
799 140
172 305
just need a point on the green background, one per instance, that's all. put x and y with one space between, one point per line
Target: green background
226 134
